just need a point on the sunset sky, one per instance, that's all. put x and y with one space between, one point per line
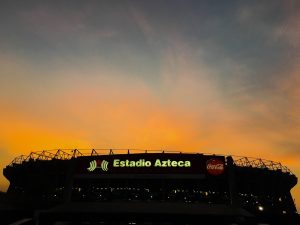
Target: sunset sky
206 76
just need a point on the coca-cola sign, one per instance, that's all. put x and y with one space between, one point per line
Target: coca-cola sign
215 166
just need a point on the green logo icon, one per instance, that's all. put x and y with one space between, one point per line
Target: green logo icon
102 164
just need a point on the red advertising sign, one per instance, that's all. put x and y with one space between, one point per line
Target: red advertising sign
215 166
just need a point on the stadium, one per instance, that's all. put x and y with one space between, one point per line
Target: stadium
117 186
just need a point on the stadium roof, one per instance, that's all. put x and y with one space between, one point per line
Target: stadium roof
67 154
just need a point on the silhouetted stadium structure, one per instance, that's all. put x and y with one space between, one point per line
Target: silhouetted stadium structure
117 186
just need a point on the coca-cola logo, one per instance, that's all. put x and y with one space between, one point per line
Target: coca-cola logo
215 166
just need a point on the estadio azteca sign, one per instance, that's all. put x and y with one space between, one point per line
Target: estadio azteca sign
152 163
139 163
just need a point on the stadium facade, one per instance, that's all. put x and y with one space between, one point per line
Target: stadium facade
149 187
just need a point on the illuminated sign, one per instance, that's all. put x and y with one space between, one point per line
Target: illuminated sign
144 163
215 166
139 163
151 163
